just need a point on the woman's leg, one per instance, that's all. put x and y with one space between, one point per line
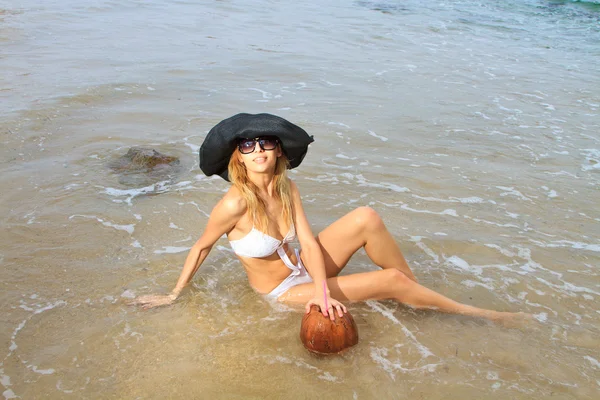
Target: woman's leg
388 284
362 227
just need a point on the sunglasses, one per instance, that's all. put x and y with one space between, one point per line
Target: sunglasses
247 146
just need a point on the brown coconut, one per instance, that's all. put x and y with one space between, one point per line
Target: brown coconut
321 335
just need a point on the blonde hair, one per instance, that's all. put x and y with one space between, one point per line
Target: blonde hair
256 205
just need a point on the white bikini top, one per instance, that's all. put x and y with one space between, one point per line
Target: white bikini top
257 244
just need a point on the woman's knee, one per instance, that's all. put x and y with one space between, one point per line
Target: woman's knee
367 218
397 279
393 283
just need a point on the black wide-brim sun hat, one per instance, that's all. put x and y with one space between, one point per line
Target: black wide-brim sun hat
222 139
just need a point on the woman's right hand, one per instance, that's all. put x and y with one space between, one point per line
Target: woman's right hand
153 300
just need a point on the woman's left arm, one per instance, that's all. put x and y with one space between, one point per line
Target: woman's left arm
315 263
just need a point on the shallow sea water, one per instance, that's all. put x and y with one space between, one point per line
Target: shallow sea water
471 127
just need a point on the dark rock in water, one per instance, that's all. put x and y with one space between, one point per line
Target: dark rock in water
141 159
144 166
384 7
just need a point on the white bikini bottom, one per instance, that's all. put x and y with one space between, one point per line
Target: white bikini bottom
298 276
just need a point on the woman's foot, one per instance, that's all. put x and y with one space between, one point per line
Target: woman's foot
509 319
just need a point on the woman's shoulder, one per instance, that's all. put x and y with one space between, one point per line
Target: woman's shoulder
293 186
233 202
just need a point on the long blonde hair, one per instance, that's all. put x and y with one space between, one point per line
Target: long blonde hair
256 205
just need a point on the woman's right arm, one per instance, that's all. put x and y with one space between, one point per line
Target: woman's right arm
222 220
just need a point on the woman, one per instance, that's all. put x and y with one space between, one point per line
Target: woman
262 212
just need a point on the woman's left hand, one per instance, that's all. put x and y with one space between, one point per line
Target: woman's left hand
332 305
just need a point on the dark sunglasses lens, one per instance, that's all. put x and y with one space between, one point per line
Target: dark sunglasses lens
268 143
247 146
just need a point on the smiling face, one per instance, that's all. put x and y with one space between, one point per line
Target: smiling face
259 155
